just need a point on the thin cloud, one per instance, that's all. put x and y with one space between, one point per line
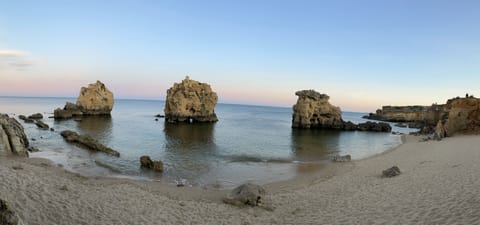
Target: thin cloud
14 60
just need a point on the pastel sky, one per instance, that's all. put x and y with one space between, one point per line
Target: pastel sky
364 54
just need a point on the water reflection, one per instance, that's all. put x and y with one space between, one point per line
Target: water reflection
314 144
190 149
99 127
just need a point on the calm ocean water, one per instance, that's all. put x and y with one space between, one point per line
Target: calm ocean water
249 143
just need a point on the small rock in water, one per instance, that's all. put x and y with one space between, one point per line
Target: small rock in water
391 172
345 158
33 149
148 163
51 129
36 116
156 119
33 139
41 124
159 116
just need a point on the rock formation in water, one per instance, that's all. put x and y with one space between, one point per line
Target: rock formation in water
13 140
88 142
95 99
190 101
147 162
463 116
313 110
424 115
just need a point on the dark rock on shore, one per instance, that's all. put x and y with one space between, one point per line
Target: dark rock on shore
391 172
148 163
246 194
13 139
8 216
88 142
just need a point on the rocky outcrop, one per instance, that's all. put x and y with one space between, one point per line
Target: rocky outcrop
425 115
13 140
313 110
8 216
87 142
155 165
463 116
26 119
190 101
36 116
94 100
246 194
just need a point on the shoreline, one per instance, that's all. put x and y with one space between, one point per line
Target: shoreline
438 185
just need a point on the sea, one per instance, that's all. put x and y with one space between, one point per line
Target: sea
248 143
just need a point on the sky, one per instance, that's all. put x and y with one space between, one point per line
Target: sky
363 54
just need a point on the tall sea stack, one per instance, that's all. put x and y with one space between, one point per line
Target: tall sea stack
314 111
190 101
94 100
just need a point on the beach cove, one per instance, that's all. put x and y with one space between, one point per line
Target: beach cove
439 184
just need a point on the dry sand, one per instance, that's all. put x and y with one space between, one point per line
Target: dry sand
439 184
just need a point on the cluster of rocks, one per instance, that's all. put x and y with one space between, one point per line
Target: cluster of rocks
35 118
190 101
13 140
87 142
313 110
94 100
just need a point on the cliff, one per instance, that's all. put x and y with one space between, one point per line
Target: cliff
425 114
463 116
190 101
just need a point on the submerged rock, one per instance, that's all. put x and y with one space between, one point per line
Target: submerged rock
345 158
246 194
13 140
190 101
313 110
25 119
88 142
8 216
41 125
148 163
391 172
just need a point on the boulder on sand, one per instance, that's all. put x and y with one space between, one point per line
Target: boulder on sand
246 194
391 172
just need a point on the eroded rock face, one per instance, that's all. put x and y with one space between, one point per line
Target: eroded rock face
87 142
463 116
190 101
8 216
13 140
424 115
95 99
313 110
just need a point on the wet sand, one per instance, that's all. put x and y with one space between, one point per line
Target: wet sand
439 184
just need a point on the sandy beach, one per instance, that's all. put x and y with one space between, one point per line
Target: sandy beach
439 184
